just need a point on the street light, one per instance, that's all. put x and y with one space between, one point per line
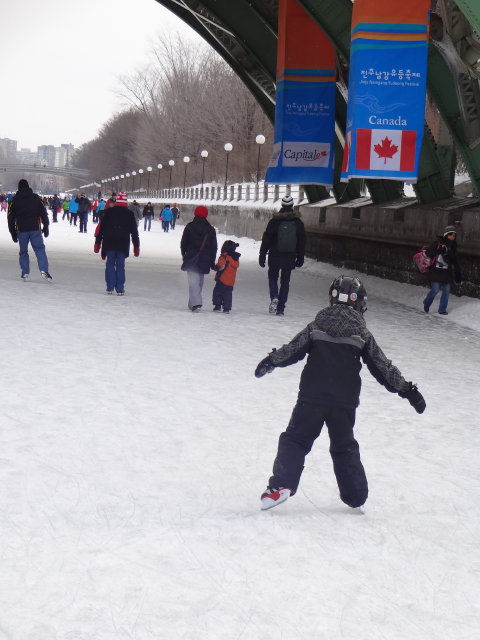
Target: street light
171 164
127 175
122 176
159 166
186 160
117 178
259 140
149 169
204 155
228 147
140 171
134 173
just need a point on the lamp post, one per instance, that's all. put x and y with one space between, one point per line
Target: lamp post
122 176
113 184
126 181
134 173
259 140
228 147
117 178
140 171
171 164
186 160
204 155
159 167
149 169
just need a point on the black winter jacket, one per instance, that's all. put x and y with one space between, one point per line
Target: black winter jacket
269 241
84 205
192 238
26 213
115 229
335 342
446 267
148 210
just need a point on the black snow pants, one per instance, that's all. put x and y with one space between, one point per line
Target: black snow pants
296 442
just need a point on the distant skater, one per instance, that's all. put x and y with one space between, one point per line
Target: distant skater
27 220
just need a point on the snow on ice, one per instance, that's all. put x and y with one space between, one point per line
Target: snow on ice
136 442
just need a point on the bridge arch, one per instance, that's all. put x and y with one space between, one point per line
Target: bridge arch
244 33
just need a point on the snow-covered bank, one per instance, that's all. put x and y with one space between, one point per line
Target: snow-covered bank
136 441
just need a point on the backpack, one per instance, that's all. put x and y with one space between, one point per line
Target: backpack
287 236
423 262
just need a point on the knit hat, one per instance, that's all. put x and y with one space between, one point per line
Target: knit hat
201 211
23 184
287 202
122 200
449 229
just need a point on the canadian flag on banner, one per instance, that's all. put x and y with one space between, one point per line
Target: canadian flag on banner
385 150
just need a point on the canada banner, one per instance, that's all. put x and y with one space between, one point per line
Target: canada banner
305 101
387 89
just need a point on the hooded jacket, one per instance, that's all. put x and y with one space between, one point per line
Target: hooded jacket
26 212
336 342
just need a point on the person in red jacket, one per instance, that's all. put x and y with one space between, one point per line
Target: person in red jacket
226 269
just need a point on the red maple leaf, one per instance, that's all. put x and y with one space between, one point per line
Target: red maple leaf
323 153
386 149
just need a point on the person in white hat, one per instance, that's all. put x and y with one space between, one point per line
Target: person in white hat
444 270
284 242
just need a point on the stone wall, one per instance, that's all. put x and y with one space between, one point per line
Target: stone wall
378 240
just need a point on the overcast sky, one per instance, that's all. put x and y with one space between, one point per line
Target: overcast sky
60 61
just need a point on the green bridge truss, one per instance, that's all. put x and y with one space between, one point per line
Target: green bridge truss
244 33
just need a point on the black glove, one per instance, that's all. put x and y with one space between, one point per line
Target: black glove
263 367
261 261
414 397
14 237
45 231
299 262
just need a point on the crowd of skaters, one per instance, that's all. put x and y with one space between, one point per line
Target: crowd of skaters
335 342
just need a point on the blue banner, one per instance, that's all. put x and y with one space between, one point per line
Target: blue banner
305 101
386 101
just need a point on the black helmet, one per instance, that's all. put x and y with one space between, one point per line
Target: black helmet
348 290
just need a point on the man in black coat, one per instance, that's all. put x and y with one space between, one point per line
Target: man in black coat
199 251
284 242
84 207
27 219
112 237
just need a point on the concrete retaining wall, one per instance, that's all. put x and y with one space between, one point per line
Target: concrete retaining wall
378 240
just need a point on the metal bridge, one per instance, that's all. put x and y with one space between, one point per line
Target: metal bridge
244 33
66 172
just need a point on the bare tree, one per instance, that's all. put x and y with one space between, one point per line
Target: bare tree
186 99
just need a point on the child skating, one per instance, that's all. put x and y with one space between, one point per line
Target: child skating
329 393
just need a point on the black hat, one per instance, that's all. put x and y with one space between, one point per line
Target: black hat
23 184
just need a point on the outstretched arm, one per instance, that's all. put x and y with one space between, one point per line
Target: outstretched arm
290 353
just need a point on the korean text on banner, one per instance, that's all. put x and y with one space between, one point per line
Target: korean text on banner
305 101
387 88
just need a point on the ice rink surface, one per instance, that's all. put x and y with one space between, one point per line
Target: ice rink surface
136 441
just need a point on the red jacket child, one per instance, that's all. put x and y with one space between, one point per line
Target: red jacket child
226 268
